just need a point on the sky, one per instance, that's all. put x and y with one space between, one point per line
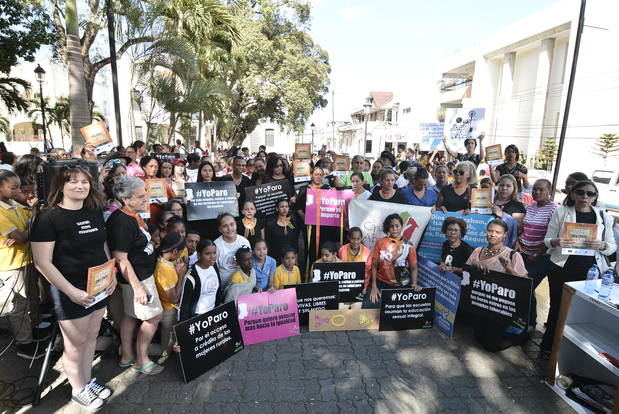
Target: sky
397 45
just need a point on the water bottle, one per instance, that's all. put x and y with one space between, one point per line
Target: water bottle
607 285
592 276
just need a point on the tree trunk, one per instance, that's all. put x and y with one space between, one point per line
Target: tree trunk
80 114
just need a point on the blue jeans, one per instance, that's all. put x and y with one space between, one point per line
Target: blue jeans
537 272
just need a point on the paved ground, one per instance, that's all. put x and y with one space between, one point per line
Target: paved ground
367 371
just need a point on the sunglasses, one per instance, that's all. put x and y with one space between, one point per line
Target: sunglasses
111 163
589 194
459 172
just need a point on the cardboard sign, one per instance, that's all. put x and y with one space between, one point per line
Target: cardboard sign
497 296
579 233
402 309
265 196
99 279
178 189
481 201
97 135
344 320
349 275
341 165
207 200
208 339
494 155
301 171
315 296
333 204
304 151
268 316
369 216
157 190
447 294
432 242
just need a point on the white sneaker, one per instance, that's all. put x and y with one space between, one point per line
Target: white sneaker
87 399
101 391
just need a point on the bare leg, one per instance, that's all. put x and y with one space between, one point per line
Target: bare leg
127 328
145 336
91 341
74 347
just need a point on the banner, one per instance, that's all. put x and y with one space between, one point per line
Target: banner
431 136
208 339
369 216
97 135
207 200
157 190
498 296
344 320
268 316
264 196
303 151
301 171
447 297
349 275
433 239
332 204
402 309
315 296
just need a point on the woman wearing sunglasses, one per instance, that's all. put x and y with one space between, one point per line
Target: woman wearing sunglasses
580 208
457 196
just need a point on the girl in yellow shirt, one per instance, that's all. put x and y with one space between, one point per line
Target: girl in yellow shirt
288 272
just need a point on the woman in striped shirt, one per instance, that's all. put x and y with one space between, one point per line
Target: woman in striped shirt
531 240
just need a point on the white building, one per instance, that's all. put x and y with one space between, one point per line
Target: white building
521 74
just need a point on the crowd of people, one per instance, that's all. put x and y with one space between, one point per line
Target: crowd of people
169 269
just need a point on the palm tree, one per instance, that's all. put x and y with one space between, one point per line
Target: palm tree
59 115
5 127
12 91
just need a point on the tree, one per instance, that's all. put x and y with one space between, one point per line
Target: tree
5 127
12 93
58 115
547 153
607 146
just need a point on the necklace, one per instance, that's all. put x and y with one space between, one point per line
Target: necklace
491 252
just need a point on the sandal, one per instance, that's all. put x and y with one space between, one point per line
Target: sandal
149 368
126 364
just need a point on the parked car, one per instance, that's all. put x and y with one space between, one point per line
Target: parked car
607 182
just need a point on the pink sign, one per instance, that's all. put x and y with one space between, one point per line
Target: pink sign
333 204
268 316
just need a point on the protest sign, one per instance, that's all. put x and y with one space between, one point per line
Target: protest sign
369 216
303 151
579 233
432 241
264 196
268 316
344 320
157 190
208 339
447 297
481 200
349 275
166 156
497 296
97 135
494 155
178 189
301 171
207 200
461 123
315 296
333 203
431 136
99 279
341 165
402 309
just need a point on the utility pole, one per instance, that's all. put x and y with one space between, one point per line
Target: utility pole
112 42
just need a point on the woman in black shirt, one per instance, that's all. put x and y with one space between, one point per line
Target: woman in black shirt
506 199
457 196
455 252
281 231
68 238
513 167
387 191
131 246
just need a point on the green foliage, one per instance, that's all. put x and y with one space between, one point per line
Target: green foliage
547 154
5 127
607 146
12 91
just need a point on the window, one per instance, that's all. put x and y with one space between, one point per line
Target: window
269 137
368 146
389 115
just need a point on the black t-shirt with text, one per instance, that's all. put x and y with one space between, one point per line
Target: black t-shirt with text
79 237
459 254
124 235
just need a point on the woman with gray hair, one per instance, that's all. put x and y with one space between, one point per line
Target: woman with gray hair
457 196
131 246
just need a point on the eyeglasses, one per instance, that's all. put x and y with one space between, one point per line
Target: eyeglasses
459 172
589 194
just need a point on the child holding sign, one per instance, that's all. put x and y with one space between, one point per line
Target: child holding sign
288 272
355 251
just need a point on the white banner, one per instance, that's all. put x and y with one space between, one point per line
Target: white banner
461 123
369 216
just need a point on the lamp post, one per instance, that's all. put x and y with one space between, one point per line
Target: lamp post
40 74
313 127
366 110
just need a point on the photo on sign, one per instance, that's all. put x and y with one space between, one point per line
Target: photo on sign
301 171
206 201
579 233
208 339
403 309
494 154
97 135
481 201
303 151
341 164
350 277
99 279
157 190
315 296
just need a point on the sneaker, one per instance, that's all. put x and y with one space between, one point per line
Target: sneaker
87 399
101 391
31 350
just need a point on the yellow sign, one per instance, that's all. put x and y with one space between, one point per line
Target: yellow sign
579 233
157 190
481 201
341 164
494 154
303 151
99 279
301 171
97 135
344 320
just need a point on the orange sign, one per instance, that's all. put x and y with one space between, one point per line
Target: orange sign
97 135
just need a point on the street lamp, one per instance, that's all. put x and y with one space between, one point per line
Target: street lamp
40 74
366 110
313 127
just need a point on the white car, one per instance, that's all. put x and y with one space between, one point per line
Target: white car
607 182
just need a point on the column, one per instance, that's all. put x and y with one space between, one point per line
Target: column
539 118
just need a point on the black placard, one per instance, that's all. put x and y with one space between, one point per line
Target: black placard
350 275
208 339
264 196
166 156
402 309
315 296
497 296
207 200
